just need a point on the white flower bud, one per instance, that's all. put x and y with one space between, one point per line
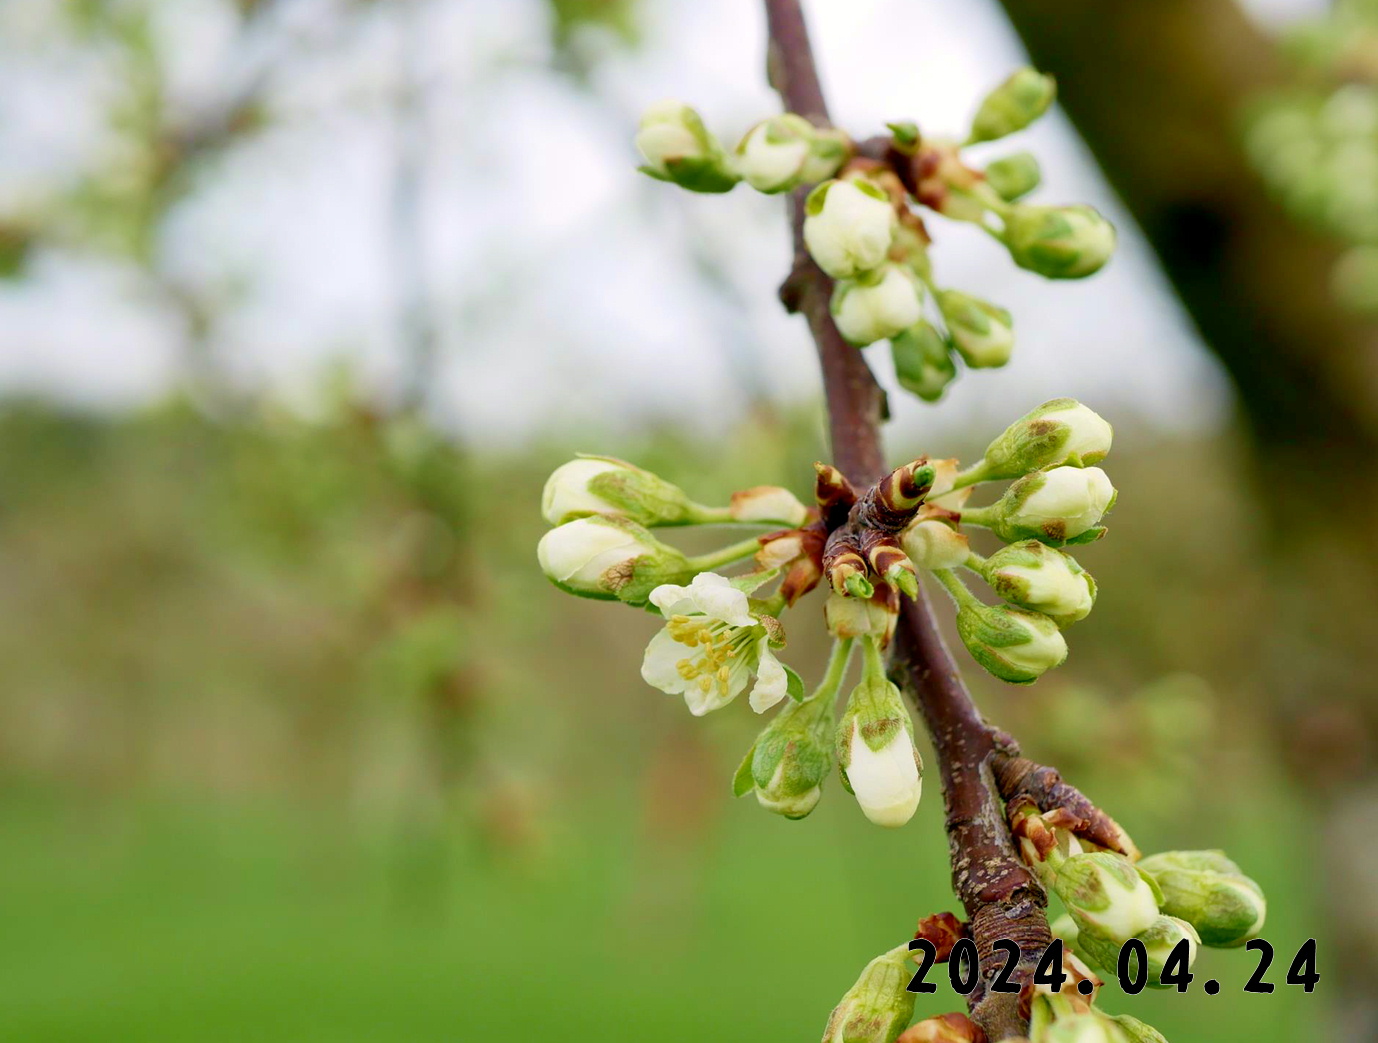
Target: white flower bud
1159 939
1064 505
923 361
604 485
1059 432
859 617
1041 579
876 754
678 147
1013 644
848 227
1105 895
1059 242
982 332
934 544
768 503
1210 892
1014 176
608 557
785 151
1013 105
878 1007
877 304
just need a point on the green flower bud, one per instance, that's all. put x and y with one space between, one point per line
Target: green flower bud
1059 432
609 558
679 148
786 151
1013 105
849 226
605 485
933 544
1136 1031
1105 895
1064 505
1059 242
1159 939
1014 176
877 1008
1059 1018
790 759
876 755
923 361
1041 579
1015 645
877 304
982 332
1208 891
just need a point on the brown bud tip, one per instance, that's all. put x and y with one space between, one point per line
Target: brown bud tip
944 930
834 493
945 1028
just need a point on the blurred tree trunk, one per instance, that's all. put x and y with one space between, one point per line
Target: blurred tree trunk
1157 89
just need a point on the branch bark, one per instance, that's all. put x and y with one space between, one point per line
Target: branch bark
1001 897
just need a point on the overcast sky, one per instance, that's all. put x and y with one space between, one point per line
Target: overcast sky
563 282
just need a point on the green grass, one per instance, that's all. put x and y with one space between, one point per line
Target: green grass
204 922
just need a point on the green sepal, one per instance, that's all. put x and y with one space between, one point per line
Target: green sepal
795 684
742 781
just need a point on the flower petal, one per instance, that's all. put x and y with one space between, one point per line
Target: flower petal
772 681
715 596
672 599
660 667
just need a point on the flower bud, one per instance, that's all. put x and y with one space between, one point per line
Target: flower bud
1089 1026
609 558
860 617
786 151
1041 579
1015 645
944 1028
790 759
1159 939
768 503
1014 176
934 544
1136 1031
1105 895
1208 891
605 485
878 1007
849 226
877 304
982 332
876 754
1059 242
1061 431
1013 105
679 148
1064 505
923 361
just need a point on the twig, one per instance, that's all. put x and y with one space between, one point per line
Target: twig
999 894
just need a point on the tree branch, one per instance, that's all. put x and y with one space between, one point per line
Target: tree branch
1001 897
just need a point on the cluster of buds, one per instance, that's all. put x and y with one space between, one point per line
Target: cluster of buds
864 228
1172 903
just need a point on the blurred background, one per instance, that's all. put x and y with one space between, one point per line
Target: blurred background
301 300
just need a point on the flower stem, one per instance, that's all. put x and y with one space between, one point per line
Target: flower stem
698 514
874 662
982 516
837 670
970 476
726 555
956 588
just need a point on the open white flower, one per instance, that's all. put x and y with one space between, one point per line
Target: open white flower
711 645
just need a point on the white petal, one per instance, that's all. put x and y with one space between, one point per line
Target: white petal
660 666
715 596
886 782
672 600
772 683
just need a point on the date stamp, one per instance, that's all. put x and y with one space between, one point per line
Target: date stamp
1132 968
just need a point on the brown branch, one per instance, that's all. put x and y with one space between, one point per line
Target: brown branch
1020 777
999 894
